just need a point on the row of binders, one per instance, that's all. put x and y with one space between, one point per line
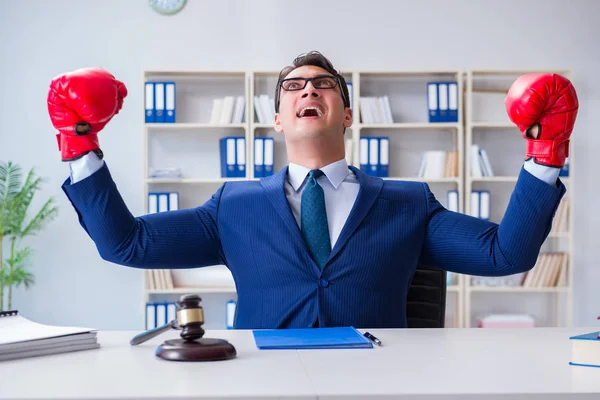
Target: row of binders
480 162
375 110
233 156
438 164
264 106
228 110
480 204
560 220
162 313
159 314
374 155
442 100
160 105
480 208
550 270
162 201
452 200
159 279
159 99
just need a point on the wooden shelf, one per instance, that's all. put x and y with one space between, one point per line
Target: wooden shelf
421 179
191 126
197 181
412 125
506 179
193 73
408 73
517 289
514 72
192 290
494 125
267 126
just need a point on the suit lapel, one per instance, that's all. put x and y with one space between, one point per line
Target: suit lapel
275 191
367 195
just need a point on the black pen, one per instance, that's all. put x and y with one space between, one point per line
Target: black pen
372 338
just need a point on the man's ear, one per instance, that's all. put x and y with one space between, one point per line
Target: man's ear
278 127
347 117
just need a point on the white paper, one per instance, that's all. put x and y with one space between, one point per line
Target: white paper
15 329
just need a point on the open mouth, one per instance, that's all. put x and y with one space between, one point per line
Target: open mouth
310 111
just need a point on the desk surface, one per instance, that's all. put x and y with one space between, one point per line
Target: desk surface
428 363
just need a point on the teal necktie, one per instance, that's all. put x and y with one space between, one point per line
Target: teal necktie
314 219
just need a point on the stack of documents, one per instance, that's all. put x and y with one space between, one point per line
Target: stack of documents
21 338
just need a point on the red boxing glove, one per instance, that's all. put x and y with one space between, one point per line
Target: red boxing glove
80 104
548 101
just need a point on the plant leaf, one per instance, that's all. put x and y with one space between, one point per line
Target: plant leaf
47 213
16 273
22 201
10 185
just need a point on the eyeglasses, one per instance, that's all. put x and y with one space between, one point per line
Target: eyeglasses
318 82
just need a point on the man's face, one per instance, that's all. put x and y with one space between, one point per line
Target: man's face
312 111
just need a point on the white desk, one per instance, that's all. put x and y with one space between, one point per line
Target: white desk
423 364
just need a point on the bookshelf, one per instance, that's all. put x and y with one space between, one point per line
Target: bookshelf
410 135
191 143
488 126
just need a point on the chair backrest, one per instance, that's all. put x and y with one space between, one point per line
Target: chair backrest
426 301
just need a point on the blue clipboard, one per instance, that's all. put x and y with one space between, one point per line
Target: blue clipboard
311 338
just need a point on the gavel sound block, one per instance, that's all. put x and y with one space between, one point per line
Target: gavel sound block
192 346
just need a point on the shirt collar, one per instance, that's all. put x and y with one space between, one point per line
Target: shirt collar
336 173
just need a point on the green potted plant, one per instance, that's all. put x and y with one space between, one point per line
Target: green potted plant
15 225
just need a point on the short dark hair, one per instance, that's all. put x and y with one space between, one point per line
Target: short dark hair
319 60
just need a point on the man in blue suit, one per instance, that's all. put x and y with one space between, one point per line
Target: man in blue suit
319 243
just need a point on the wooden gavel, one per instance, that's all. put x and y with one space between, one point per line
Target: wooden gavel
190 318
192 346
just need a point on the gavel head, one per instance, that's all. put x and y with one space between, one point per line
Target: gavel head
190 317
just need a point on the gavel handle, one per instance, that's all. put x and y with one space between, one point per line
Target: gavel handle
144 336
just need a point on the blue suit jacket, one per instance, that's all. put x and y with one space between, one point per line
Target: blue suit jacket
249 226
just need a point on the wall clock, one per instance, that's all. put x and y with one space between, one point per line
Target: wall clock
167 7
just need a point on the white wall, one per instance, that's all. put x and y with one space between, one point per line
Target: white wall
40 39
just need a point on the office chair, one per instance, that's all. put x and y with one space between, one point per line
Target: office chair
426 300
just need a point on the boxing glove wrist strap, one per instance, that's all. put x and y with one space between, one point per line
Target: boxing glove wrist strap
73 147
552 152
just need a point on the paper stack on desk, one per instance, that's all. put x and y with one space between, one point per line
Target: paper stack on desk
21 338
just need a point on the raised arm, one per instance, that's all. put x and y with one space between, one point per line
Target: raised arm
468 245
80 104
173 239
544 107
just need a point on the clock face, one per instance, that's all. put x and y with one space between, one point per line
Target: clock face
167 7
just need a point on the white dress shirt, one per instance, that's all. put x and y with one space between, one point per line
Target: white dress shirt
339 184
